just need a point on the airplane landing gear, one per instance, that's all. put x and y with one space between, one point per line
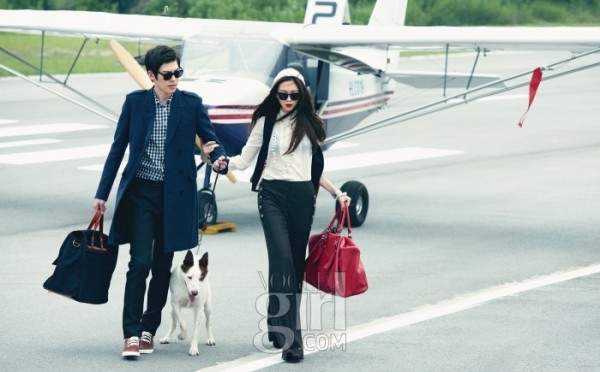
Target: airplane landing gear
359 206
207 208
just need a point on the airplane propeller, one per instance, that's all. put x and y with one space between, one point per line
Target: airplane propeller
141 78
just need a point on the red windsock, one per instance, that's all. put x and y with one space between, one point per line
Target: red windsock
536 78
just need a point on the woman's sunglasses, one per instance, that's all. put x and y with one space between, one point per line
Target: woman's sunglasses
284 96
169 74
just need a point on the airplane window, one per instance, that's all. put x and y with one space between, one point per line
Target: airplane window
240 54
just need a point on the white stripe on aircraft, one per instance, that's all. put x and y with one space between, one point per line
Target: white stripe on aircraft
27 130
34 157
43 141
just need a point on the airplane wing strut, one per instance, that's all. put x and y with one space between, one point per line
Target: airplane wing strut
465 97
42 73
53 91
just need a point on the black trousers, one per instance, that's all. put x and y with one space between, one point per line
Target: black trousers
286 211
145 211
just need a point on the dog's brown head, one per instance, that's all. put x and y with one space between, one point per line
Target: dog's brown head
188 263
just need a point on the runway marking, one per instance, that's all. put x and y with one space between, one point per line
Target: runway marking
427 312
342 145
369 159
34 157
43 141
28 130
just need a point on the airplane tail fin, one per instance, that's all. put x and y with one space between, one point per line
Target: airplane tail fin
335 12
389 13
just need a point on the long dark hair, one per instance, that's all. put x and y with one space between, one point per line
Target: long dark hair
308 123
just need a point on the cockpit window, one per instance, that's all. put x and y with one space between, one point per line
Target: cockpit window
241 52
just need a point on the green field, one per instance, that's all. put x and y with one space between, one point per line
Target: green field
60 52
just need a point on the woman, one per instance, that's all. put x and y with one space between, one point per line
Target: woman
285 134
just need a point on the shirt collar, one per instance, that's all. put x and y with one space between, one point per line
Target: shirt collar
157 101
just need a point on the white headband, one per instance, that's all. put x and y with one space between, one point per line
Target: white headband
288 72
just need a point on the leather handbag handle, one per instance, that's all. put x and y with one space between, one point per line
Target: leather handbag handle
97 224
342 216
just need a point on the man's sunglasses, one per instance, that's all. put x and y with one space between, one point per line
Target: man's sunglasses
169 74
284 96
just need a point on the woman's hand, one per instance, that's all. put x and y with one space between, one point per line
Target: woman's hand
220 165
343 198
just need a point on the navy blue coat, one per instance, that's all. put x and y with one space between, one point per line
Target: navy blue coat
188 118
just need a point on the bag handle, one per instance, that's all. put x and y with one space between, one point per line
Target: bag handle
97 224
343 219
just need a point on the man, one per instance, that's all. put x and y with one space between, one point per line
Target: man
156 208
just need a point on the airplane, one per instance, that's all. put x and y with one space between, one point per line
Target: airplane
351 70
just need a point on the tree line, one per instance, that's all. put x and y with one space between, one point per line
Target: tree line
419 12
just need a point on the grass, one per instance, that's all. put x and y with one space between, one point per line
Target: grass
60 52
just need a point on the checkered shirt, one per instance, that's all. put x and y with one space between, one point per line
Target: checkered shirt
152 166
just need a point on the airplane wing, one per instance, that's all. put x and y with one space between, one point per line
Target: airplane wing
100 25
338 44
117 26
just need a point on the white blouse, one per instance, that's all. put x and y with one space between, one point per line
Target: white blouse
289 167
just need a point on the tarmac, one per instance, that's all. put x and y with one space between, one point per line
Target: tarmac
482 254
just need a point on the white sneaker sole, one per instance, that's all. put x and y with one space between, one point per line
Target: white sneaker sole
146 351
130 354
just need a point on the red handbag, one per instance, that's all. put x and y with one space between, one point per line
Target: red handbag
333 264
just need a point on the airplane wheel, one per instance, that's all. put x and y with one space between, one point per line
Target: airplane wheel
207 208
359 206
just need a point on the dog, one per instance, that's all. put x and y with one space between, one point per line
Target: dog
190 288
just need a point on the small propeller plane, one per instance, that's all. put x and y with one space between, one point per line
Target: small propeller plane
352 70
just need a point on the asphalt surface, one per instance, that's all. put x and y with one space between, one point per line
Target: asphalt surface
462 251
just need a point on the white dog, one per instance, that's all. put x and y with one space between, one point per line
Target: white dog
190 288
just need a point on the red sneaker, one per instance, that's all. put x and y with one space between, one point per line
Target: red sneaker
146 343
131 347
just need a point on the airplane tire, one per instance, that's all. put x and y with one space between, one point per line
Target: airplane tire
207 208
359 206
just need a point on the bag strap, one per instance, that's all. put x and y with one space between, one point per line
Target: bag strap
343 219
97 224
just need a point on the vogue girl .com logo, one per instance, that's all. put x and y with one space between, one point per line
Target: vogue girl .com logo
323 319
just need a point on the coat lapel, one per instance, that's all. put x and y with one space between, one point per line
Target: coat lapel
174 115
148 114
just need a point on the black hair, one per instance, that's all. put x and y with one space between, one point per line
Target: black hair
308 123
158 56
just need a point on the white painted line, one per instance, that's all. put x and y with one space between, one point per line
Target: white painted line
28 130
421 314
342 145
376 158
43 141
7 121
368 159
35 157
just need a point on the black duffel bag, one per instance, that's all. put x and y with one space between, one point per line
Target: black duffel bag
85 264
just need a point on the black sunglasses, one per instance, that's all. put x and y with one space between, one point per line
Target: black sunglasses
169 74
284 96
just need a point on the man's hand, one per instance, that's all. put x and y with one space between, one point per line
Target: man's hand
99 205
